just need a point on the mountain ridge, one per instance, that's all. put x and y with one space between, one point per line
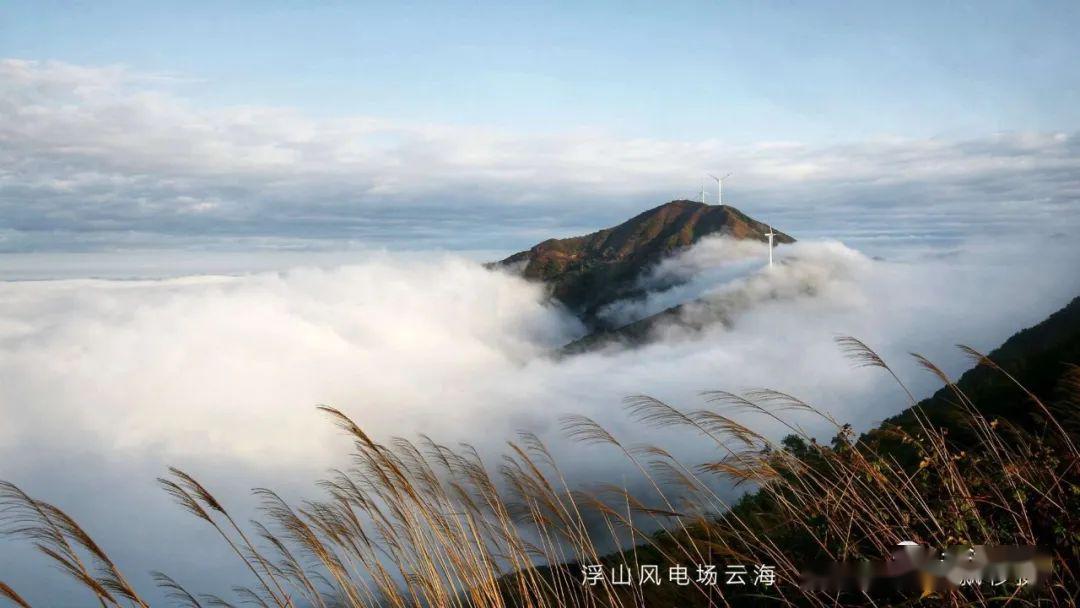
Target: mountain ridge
590 271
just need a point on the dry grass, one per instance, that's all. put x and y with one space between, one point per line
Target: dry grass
423 524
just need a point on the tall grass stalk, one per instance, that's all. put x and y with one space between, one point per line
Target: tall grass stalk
423 524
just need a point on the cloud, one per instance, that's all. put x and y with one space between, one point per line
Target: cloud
396 334
686 276
105 383
98 153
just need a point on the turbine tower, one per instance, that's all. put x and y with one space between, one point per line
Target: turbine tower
703 192
719 187
770 234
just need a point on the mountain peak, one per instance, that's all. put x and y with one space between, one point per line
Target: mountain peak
586 272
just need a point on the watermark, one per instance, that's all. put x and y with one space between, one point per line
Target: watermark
912 566
709 575
931 569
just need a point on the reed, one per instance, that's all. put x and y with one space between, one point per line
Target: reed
419 523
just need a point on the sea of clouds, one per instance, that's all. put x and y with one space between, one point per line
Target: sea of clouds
104 383
252 292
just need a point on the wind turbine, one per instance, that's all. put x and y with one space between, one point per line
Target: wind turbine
770 234
703 191
719 187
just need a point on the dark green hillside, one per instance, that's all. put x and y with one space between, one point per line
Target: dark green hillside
1036 357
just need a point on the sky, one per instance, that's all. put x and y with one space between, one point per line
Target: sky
490 126
736 71
296 196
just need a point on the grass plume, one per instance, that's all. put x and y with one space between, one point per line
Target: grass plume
418 523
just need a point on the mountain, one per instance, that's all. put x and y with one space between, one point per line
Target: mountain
588 272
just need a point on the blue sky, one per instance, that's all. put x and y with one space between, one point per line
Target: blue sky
491 125
739 71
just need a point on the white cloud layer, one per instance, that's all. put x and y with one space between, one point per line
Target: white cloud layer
105 156
688 275
217 354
